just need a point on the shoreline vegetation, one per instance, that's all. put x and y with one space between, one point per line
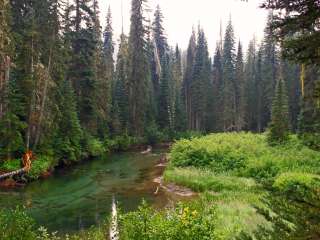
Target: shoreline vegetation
246 189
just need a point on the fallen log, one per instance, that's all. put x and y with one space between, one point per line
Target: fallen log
14 173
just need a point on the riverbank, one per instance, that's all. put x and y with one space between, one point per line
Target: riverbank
247 189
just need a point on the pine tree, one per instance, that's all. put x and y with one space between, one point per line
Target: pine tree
82 73
269 68
239 79
121 86
165 111
106 77
250 88
279 126
229 84
139 73
200 84
67 141
11 125
180 114
187 79
217 75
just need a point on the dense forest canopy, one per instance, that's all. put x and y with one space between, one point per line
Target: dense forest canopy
63 90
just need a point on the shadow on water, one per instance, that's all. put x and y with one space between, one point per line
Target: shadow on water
77 198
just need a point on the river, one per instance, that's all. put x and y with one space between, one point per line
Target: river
78 197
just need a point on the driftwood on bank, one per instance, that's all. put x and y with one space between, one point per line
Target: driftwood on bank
26 161
14 173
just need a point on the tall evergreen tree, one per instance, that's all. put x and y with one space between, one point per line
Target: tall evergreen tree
200 84
121 90
106 78
217 75
82 72
269 69
279 126
239 88
229 83
187 79
139 73
250 88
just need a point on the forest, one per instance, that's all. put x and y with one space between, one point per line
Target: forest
243 124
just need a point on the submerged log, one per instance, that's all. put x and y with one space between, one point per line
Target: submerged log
149 149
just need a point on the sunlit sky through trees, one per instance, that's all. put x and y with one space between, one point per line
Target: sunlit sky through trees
180 15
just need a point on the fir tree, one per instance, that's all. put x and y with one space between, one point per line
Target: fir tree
269 67
279 126
187 79
217 75
200 84
121 99
229 84
139 69
239 79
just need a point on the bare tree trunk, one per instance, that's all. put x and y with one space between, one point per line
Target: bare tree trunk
32 99
44 98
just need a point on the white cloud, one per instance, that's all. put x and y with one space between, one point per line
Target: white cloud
181 15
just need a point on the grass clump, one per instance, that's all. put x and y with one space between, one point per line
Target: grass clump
201 180
244 176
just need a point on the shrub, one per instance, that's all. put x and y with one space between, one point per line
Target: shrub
94 147
299 186
40 165
15 224
185 222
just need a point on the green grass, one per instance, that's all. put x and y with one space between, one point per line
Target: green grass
240 174
38 167
201 180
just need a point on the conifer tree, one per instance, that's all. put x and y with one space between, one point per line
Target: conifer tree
180 114
279 125
139 73
239 79
67 141
217 75
187 79
250 87
229 84
106 78
82 72
200 84
121 99
165 107
269 68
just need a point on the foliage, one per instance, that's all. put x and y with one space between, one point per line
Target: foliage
39 166
244 154
120 143
93 147
279 125
299 186
186 221
205 180
16 224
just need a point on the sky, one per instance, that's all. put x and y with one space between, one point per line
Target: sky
181 15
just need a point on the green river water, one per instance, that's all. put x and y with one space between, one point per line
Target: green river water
79 197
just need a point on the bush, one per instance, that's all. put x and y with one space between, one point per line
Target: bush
93 147
299 186
16 225
245 155
153 135
185 222
40 165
